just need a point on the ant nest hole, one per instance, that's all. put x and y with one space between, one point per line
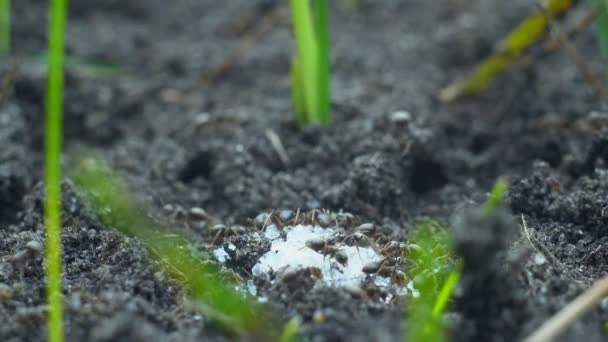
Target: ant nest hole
338 248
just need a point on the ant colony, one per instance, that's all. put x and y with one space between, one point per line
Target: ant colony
335 258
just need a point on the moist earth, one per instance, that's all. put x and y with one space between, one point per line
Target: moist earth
228 145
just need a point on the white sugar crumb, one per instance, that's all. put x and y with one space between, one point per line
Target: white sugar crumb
221 255
292 251
272 232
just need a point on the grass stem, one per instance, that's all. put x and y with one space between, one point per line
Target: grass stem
5 26
307 59
53 142
322 31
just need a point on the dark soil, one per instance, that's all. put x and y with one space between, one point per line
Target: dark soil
179 144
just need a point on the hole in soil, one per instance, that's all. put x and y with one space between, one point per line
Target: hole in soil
426 175
552 153
200 166
12 190
480 142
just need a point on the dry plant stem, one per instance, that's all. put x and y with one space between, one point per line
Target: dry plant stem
276 143
6 82
579 60
218 71
564 318
580 26
574 275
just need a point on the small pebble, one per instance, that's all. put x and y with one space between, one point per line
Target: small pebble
401 116
34 246
6 293
604 304
318 316
218 227
168 209
539 259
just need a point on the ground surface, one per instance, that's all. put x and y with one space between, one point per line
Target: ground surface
177 143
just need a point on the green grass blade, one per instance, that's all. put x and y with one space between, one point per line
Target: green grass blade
297 94
53 142
323 86
5 26
601 26
445 294
430 266
522 37
90 66
215 296
290 331
307 55
499 191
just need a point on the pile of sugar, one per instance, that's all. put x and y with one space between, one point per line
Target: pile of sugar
293 252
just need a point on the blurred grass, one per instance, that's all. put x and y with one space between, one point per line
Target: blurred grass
290 331
53 142
601 26
306 60
528 32
434 273
322 31
310 70
91 66
215 296
499 190
5 26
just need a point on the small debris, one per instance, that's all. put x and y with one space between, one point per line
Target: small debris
539 259
34 247
6 293
31 251
401 116
318 316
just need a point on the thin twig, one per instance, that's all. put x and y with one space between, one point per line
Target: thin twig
276 143
580 26
8 80
245 43
577 308
553 260
582 66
